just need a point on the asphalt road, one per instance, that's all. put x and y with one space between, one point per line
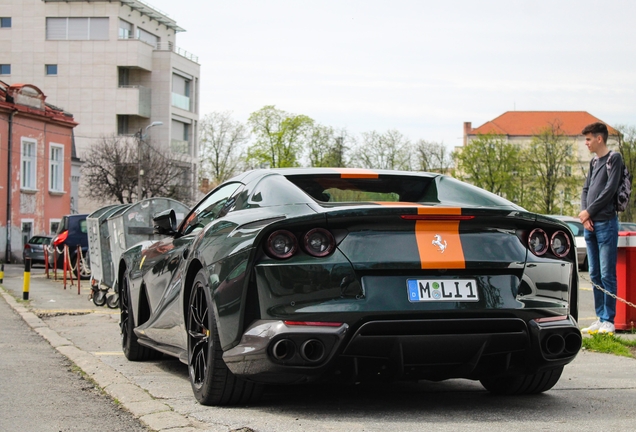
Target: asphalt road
41 390
596 392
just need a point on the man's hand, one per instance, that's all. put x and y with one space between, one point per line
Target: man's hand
584 216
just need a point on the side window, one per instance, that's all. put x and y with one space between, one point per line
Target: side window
209 209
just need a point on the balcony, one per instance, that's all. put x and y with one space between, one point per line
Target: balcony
179 147
134 100
169 46
181 101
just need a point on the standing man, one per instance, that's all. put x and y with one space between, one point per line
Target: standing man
599 217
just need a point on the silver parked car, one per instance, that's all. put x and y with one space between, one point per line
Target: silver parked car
576 227
34 249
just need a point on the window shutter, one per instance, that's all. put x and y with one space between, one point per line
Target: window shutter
56 28
98 29
78 29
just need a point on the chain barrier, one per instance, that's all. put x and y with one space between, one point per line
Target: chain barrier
84 269
600 288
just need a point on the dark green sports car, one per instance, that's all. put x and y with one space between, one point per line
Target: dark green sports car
297 275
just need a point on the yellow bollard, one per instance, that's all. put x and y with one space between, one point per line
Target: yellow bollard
1 273
27 279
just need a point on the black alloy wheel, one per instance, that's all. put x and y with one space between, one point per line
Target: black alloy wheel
212 382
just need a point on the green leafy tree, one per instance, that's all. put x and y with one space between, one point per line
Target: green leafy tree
279 137
492 163
551 157
222 141
390 150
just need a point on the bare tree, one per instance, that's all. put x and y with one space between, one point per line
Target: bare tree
390 150
222 142
433 157
111 169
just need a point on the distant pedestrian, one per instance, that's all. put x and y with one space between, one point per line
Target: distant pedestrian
599 217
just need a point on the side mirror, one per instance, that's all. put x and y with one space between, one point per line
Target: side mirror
165 222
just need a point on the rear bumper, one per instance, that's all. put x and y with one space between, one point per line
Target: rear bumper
273 352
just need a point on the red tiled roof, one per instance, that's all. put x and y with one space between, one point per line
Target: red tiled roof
527 123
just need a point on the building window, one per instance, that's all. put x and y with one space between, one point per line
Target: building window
5 69
181 92
125 29
123 76
122 125
28 164
56 168
77 28
51 69
54 224
147 37
5 22
180 137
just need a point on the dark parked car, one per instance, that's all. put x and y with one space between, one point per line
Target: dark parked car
72 232
298 275
34 249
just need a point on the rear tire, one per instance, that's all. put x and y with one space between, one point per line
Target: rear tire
129 341
212 382
523 384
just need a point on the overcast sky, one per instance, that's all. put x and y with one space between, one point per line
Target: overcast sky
421 67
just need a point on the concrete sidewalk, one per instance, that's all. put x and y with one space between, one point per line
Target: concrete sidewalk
49 301
48 297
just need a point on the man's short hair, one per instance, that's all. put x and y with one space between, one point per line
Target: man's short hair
597 129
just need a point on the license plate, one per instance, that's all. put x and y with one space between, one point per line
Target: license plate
434 290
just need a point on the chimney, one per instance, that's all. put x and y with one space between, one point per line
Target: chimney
468 128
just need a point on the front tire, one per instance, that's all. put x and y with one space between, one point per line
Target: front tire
129 341
212 382
523 384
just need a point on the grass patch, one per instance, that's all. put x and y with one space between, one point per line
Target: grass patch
610 344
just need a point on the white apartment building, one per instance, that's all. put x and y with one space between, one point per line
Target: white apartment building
113 64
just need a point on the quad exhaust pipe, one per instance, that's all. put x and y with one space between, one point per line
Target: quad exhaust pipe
283 349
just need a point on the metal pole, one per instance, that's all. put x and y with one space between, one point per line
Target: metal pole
27 279
139 175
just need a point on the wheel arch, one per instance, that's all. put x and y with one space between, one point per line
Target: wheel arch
193 269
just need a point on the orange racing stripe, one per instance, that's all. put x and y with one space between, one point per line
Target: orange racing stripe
356 173
438 241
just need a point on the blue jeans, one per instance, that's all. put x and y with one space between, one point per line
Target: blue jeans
602 248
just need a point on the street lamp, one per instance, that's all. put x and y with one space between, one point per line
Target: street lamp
140 137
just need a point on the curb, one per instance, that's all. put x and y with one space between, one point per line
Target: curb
152 413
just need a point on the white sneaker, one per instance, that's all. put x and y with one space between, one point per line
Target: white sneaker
607 328
593 328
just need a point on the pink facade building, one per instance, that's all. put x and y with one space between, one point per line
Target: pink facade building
36 158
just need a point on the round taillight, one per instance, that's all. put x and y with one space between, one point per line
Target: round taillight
281 244
560 244
319 242
538 241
